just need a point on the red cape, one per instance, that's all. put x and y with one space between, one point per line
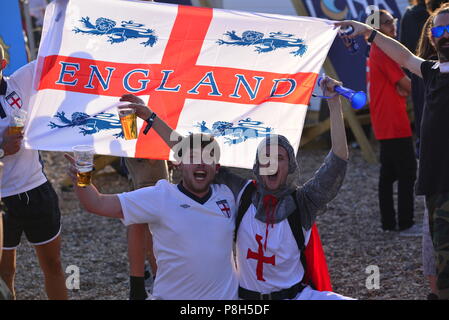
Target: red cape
317 272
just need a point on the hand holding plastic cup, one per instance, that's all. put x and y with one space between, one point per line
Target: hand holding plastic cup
17 123
84 162
128 120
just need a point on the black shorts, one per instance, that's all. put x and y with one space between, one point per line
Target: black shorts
35 212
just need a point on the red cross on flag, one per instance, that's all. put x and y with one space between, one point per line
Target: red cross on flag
237 75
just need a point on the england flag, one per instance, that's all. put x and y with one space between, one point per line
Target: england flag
239 76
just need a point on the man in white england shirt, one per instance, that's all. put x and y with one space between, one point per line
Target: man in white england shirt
192 224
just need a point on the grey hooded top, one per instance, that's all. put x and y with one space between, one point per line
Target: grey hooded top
312 197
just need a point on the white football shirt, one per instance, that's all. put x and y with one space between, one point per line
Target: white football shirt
22 171
192 242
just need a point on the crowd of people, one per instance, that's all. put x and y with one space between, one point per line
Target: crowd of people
261 241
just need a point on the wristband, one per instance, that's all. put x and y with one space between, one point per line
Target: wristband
150 121
372 36
137 288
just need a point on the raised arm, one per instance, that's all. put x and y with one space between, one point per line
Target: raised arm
106 205
338 132
394 49
170 136
324 185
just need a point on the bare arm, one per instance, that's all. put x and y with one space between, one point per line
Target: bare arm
106 205
170 136
326 182
394 49
338 132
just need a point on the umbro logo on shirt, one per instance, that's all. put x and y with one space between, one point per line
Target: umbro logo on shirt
185 206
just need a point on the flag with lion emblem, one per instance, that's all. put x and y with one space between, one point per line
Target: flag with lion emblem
239 76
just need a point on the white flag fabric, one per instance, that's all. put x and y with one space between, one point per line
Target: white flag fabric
237 75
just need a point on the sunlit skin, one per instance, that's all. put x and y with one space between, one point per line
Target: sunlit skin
197 174
274 173
441 44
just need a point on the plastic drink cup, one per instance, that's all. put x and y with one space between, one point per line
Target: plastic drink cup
84 162
128 120
17 122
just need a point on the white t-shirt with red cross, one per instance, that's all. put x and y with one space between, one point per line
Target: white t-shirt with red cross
22 171
192 242
274 267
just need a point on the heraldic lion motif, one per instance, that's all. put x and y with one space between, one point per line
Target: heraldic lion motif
275 40
244 130
88 124
127 30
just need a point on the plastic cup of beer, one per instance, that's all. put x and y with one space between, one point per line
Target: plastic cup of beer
84 163
17 123
128 119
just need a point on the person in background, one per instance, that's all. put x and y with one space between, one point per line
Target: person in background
425 50
142 173
5 294
412 23
389 87
31 203
433 173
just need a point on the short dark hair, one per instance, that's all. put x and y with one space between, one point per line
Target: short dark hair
188 143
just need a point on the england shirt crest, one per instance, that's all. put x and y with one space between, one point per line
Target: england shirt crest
224 207
14 100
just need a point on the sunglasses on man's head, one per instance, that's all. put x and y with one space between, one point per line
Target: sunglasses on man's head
439 31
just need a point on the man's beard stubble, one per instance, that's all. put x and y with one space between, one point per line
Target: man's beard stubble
443 53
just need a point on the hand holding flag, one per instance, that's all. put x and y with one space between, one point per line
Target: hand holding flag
358 27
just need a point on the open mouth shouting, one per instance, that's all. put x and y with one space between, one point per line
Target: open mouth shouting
199 175
272 174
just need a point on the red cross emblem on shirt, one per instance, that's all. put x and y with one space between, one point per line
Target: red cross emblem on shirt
224 207
261 259
176 79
